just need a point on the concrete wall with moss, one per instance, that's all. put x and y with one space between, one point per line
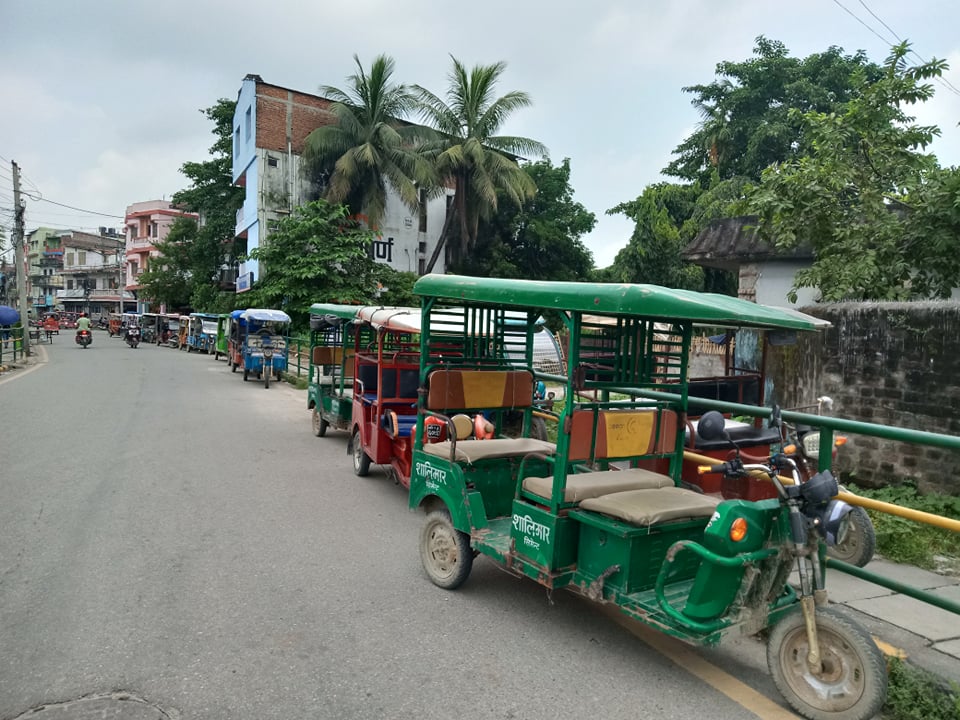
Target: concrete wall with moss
889 363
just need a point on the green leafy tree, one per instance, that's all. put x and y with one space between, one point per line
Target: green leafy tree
318 254
881 216
747 122
191 258
653 254
395 287
541 240
368 150
167 279
470 156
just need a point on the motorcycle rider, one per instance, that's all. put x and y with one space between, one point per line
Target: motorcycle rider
131 329
83 323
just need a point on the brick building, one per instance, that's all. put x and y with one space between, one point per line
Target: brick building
270 127
147 223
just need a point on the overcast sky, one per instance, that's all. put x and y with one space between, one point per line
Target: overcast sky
100 101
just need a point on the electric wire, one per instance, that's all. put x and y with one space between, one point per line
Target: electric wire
82 210
943 81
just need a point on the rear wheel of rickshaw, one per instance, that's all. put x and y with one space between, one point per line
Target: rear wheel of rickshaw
538 429
858 540
233 365
361 461
246 374
851 683
445 551
319 424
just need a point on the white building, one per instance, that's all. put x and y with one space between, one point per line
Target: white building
270 126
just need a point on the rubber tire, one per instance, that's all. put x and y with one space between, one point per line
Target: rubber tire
233 366
538 429
840 639
361 461
246 374
266 381
318 424
860 541
445 552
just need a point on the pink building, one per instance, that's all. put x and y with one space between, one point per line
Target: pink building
147 224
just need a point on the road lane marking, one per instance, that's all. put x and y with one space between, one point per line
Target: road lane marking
684 657
36 366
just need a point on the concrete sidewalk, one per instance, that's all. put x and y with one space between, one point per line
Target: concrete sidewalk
922 633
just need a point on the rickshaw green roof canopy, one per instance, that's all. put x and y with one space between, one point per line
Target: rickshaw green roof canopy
649 301
344 312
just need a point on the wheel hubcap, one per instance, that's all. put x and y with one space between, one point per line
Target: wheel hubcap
441 550
838 684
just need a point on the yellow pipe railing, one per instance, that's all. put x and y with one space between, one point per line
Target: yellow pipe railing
889 508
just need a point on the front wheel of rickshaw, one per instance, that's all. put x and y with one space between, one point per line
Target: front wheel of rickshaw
851 683
319 424
266 379
858 539
361 461
445 551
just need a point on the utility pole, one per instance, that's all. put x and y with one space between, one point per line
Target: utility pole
18 210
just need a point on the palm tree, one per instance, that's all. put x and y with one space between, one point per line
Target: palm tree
369 146
469 155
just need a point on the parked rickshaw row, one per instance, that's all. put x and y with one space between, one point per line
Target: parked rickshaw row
253 340
448 397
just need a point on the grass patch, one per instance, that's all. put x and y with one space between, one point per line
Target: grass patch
300 383
915 694
908 541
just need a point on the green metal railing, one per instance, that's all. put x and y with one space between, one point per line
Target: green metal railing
827 425
11 345
298 355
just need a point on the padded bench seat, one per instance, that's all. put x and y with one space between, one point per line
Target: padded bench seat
582 486
470 451
649 507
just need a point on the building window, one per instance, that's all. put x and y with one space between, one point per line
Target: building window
421 266
423 210
422 247
69 283
68 260
82 257
271 161
248 123
236 142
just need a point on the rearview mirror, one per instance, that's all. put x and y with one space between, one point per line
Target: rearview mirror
711 426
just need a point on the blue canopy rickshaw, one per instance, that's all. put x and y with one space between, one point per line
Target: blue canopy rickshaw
261 342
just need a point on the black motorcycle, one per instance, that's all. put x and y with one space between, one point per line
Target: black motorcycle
132 336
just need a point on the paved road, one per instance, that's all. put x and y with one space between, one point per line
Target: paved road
172 532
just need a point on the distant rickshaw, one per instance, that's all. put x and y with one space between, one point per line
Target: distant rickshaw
330 388
220 341
201 332
150 327
51 325
263 343
169 330
183 331
113 324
